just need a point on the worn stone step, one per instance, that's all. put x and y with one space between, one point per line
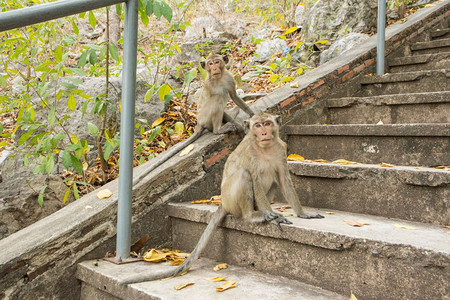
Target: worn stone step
405 82
440 33
388 259
434 46
433 107
408 193
101 282
401 144
419 62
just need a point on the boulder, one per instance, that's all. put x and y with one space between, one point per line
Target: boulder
343 44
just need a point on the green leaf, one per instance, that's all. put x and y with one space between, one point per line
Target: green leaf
157 9
71 103
76 71
92 57
75 27
3 82
114 52
58 53
92 19
166 11
76 163
107 149
66 194
144 17
51 116
119 9
75 191
68 85
66 160
179 128
93 130
163 91
189 76
49 163
149 94
24 137
41 195
155 132
82 61
149 8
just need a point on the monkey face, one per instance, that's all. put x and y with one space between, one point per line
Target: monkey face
215 67
263 131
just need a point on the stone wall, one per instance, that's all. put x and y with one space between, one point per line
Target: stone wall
39 261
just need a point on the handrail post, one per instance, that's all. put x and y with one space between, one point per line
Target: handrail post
127 131
381 36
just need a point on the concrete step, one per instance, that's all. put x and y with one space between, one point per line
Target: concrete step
419 62
440 33
400 144
434 46
406 82
408 193
433 107
383 260
101 282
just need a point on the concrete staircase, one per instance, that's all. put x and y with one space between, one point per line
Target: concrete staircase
390 176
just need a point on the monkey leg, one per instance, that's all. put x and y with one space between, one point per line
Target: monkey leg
227 118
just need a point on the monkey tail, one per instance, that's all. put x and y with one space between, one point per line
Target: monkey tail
217 218
156 162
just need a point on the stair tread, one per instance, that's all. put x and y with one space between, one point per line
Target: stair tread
402 76
250 284
417 59
332 232
396 99
418 129
430 44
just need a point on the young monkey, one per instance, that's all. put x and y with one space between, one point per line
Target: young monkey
218 87
252 175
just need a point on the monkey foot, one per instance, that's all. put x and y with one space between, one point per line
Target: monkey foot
280 220
313 216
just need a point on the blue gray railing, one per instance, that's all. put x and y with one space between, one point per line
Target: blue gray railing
381 36
49 11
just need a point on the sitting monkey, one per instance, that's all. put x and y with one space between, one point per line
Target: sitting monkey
219 86
253 173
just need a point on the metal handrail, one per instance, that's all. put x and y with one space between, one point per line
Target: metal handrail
381 23
49 11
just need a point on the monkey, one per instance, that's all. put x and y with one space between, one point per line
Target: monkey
252 176
218 87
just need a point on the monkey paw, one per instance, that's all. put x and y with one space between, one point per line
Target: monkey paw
280 220
271 216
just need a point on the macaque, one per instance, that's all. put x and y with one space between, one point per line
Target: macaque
218 87
252 175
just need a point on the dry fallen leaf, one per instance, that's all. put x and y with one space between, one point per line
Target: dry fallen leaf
295 157
201 201
385 165
217 278
283 207
157 122
187 150
380 123
344 162
404 226
87 207
104 194
330 212
287 214
356 223
182 286
294 85
320 160
220 267
352 297
155 256
447 226
227 285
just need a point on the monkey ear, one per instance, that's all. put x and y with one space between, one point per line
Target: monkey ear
203 64
225 59
246 126
278 119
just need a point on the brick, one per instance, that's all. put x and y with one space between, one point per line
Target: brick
288 101
359 68
317 84
321 92
306 102
348 76
369 62
215 158
343 69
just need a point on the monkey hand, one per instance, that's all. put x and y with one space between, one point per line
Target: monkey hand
311 216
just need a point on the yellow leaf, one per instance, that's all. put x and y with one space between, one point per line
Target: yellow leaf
446 226
157 122
227 285
216 199
404 227
329 212
290 30
385 165
220 267
176 262
202 201
352 297
182 286
322 42
295 157
380 123
103 194
356 223
442 167
321 160
155 256
283 207
187 150
303 4
85 166
217 278
343 162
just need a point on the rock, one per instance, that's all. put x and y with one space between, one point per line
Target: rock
343 44
332 20
202 27
266 49
300 15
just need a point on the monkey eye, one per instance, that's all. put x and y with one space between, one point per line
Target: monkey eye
267 123
258 125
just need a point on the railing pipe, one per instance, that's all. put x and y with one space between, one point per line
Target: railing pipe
381 36
49 11
123 241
